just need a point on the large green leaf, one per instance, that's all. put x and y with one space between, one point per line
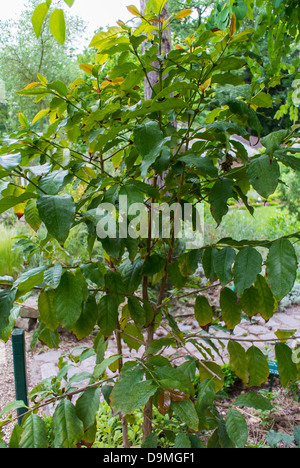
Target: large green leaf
10 201
38 18
6 303
58 25
257 366
221 191
67 300
236 427
29 279
87 406
273 141
34 433
10 161
253 400
87 320
286 367
186 411
231 309
238 360
250 301
281 267
247 266
267 302
131 273
57 212
108 314
136 311
263 175
223 261
203 311
148 139
68 428
46 309
52 276
130 392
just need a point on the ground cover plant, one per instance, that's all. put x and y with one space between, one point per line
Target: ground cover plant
104 136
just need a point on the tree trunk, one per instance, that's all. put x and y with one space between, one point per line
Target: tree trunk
166 46
153 78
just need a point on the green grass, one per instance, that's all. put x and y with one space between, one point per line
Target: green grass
11 262
268 222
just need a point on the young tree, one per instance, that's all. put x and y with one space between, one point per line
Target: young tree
106 137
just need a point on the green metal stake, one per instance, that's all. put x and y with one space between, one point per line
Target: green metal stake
18 346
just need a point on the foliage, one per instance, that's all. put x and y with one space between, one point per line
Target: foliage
11 261
161 153
23 56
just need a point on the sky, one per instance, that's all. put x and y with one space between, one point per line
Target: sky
95 12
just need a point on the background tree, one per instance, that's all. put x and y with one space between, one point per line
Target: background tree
23 57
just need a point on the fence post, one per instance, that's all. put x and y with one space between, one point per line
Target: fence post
18 347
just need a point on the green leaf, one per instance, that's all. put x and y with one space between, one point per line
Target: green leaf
253 400
204 164
247 115
10 161
87 406
108 314
46 309
53 182
231 309
206 373
286 367
68 428
223 261
148 140
218 198
203 311
273 141
134 331
274 438
263 175
57 213
153 264
288 160
69 2
29 279
281 267
6 303
38 18
131 273
267 302
58 25
186 411
87 320
130 393
67 300
175 275
182 441
23 120
262 100
10 201
257 366
50 338
52 276
34 433
94 272
247 266
236 427
250 302
136 311
238 360
32 215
